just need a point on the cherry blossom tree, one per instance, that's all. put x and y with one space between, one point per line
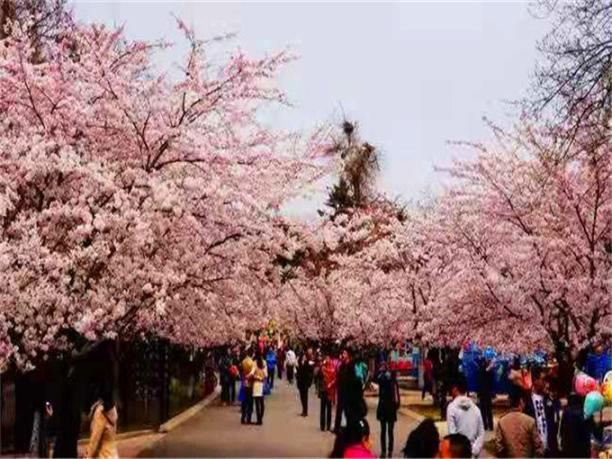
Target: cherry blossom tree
132 202
331 276
530 242
136 204
351 275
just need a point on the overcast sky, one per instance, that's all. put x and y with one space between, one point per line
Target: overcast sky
414 75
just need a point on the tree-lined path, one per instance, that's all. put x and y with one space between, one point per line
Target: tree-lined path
216 431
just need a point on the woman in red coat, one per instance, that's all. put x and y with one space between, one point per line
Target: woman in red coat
326 389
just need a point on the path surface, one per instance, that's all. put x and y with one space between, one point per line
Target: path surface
216 431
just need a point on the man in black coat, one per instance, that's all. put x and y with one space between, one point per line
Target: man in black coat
304 377
485 392
545 411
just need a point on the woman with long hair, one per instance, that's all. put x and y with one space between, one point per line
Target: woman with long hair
103 423
424 441
353 441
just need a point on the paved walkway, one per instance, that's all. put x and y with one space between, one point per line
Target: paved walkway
216 431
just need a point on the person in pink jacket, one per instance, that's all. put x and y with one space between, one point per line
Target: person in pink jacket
353 441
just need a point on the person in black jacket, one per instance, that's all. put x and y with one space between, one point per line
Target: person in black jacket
388 404
349 393
235 357
225 376
545 411
485 389
304 377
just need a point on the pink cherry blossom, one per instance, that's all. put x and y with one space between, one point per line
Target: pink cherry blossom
132 203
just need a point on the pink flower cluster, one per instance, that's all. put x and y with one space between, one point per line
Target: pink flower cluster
132 203
515 253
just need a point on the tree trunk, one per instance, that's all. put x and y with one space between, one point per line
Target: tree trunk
566 362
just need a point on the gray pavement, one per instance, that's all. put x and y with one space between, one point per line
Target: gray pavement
216 431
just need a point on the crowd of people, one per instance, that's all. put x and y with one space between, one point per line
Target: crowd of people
248 373
543 419
536 425
340 379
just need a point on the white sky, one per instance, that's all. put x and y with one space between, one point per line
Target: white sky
414 75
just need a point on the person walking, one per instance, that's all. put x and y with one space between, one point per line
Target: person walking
441 384
271 364
361 370
516 434
103 424
225 376
261 344
463 416
304 376
260 375
235 373
247 368
428 379
388 404
319 384
291 364
325 379
280 360
485 388
542 408
349 392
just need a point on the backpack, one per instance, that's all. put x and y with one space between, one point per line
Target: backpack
361 370
233 370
